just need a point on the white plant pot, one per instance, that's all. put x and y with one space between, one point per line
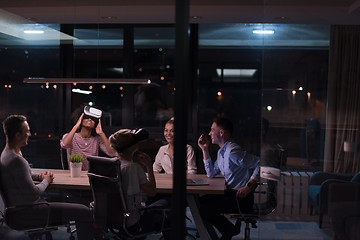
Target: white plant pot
75 169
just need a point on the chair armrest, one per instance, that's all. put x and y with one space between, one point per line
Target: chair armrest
344 209
324 192
319 177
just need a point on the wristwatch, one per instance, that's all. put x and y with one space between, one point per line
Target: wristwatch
249 184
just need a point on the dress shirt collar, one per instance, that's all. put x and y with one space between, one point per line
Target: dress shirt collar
223 149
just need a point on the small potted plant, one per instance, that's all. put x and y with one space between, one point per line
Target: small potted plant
76 164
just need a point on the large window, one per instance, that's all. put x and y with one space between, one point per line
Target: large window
99 54
279 74
243 75
154 60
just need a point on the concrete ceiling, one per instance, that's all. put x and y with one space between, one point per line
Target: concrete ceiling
201 11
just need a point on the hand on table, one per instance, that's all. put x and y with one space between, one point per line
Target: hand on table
49 176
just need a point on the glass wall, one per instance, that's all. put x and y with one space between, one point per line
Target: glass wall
277 72
98 54
281 76
154 60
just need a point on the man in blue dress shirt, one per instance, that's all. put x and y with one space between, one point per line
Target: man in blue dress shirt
240 171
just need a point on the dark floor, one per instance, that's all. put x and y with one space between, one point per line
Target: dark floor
267 230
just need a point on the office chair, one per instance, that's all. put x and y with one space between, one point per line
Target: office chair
110 208
15 218
63 158
272 160
268 190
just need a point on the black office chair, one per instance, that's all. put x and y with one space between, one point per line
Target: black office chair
272 161
268 190
110 208
16 217
63 159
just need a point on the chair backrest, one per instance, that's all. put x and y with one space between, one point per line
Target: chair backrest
3 197
281 152
105 180
268 187
63 159
110 208
2 203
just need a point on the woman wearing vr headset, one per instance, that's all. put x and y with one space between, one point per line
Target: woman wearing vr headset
87 136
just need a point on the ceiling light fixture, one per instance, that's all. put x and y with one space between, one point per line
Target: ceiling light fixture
246 73
33 31
78 90
89 80
258 31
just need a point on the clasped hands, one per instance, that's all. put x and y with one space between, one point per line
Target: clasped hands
49 176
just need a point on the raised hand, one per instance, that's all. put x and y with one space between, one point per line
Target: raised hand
79 121
98 129
203 142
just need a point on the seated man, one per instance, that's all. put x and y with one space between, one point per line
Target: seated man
241 174
17 182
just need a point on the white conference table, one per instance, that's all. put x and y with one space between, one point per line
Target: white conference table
164 184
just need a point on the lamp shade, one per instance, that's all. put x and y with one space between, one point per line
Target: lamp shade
350 146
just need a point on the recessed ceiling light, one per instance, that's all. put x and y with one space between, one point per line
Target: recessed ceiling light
264 31
33 31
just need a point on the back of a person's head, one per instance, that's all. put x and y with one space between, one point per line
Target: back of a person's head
225 124
121 139
13 124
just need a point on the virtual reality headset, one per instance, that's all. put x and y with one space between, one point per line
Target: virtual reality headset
92 113
138 134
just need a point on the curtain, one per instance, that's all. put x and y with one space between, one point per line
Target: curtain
343 108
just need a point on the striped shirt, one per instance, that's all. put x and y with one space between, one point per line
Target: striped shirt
86 147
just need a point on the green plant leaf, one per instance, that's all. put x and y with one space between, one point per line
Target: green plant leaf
76 157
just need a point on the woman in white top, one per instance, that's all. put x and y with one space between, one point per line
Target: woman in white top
164 160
